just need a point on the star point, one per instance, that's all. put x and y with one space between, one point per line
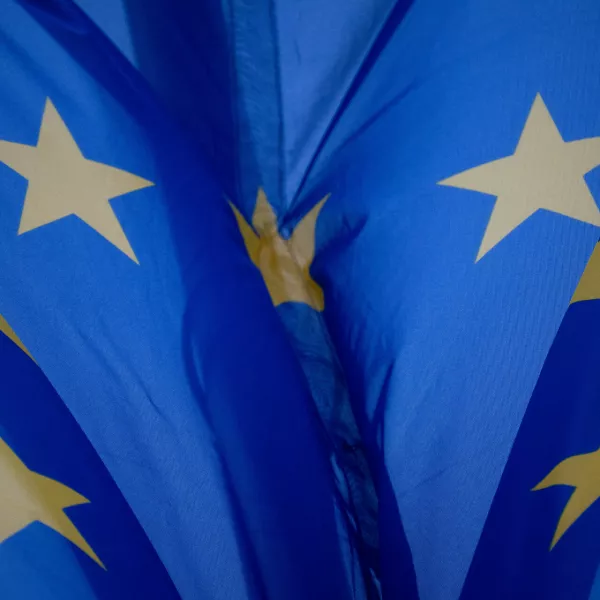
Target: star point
9 332
27 497
62 182
580 472
284 264
545 172
588 287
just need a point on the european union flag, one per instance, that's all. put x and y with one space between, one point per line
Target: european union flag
461 169
124 274
230 73
316 339
65 528
539 539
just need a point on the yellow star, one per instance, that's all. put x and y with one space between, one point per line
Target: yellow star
545 172
26 497
63 182
581 472
588 287
284 264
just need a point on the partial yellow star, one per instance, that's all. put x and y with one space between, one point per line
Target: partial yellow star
26 497
581 472
8 331
545 172
284 264
588 287
63 182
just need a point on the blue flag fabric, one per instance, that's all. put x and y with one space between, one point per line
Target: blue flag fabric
154 328
441 307
543 522
416 184
73 534
263 87
263 82
260 118
447 286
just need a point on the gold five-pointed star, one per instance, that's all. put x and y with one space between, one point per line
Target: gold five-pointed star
284 264
545 172
63 182
26 497
581 472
